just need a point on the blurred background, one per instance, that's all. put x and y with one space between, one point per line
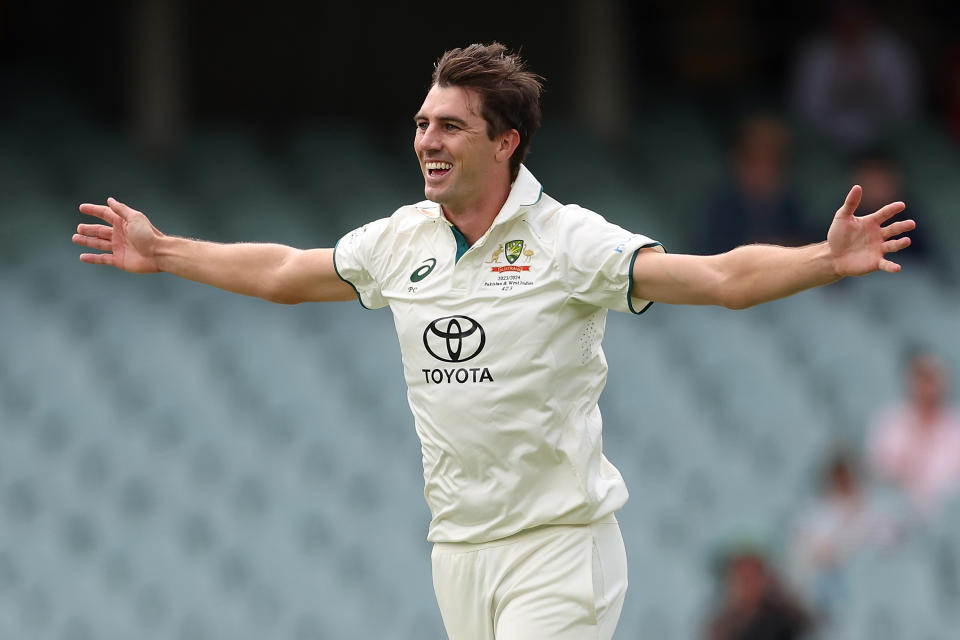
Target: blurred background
177 462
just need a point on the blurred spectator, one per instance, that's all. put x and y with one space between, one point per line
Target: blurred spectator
916 446
753 603
855 79
879 175
756 206
842 521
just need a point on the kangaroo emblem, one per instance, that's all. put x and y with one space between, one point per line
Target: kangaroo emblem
496 255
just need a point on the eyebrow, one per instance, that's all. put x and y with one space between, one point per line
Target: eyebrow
453 119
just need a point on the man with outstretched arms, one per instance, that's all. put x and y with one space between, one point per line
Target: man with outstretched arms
499 294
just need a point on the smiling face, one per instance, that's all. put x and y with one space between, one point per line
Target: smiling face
461 165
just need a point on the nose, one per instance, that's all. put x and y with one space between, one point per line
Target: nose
429 140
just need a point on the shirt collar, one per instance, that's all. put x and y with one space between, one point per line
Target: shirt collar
525 191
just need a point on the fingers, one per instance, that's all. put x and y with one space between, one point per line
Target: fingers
886 212
897 228
97 258
112 212
95 236
851 202
100 211
93 243
96 231
891 246
888 266
119 208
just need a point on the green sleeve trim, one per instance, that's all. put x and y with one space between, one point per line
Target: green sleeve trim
630 290
359 299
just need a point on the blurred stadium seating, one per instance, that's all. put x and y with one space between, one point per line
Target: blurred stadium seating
177 462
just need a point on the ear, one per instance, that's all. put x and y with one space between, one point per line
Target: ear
507 144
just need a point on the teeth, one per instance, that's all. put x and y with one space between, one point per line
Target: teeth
439 165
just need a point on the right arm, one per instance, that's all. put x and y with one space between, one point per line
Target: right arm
270 271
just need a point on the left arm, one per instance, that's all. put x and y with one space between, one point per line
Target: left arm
753 274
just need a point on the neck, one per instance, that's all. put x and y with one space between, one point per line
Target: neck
475 217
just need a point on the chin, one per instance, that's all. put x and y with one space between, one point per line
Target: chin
433 194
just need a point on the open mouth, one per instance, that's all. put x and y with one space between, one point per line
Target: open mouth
438 169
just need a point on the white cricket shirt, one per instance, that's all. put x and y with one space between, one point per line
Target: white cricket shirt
501 354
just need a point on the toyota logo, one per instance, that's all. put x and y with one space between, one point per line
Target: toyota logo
454 338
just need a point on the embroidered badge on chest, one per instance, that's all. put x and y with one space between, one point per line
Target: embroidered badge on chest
513 247
518 270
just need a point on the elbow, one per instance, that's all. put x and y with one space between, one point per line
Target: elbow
287 301
738 305
277 285
720 285
281 297
731 293
274 291
739 298
736 302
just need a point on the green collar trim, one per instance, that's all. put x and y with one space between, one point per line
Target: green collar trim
462 244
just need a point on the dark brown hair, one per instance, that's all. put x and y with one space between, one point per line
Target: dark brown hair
509 94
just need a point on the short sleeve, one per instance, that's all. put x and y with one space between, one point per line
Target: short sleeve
597 259
354 258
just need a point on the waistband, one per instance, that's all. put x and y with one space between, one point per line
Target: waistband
520 536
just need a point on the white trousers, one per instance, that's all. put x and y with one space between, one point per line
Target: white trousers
560 582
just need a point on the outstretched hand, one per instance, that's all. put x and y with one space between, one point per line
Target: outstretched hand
128 238
858 245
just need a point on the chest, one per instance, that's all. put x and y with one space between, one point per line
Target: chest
435 267
497 296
